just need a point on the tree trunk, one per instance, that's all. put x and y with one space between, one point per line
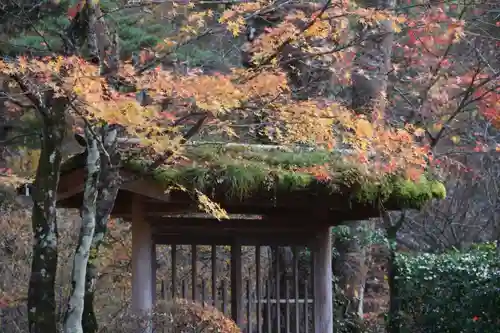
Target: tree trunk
373 62
369 84
73 319
350 269
108 189
41 296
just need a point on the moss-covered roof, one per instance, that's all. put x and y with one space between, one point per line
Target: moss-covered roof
242 172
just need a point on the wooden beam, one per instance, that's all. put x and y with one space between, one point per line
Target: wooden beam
212 225
226 240
157 210
145 186
323 277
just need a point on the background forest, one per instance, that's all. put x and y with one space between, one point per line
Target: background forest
406 80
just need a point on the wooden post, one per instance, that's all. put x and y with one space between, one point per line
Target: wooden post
236 285
323 294
142 265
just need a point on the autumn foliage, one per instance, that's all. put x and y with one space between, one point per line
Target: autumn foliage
158 125
171 100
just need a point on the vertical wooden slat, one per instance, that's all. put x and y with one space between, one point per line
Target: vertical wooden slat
163 290
258 289
184 289
313 267
163 295
203 292
224 296
154 269
277 282
249 308
174 269
287 306
194 272
296 287
268 294
236 284
214 276
306 307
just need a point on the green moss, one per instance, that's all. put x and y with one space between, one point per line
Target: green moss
241 172
438 190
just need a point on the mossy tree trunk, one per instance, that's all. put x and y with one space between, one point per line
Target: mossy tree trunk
73 318
108 189
41 295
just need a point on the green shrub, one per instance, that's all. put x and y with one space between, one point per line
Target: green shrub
452 292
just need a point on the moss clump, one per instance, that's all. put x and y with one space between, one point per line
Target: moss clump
414 194
239 178
241 172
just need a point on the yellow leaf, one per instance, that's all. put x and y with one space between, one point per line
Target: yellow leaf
77 90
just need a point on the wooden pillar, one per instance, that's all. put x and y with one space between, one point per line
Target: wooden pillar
323 277
142 265
236 285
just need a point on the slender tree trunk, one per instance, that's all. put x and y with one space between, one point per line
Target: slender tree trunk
369 84
41 295
108 189
73 319
373 62
350 268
